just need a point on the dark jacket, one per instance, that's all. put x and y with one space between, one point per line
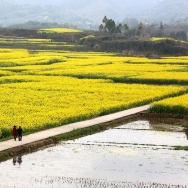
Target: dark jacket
19 131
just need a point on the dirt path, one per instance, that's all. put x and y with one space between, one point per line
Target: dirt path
70 127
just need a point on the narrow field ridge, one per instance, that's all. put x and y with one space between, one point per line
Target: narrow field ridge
70 127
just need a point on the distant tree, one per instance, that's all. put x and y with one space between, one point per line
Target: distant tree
131 22
111 26
119 28
105 19
125 27
140 28
161 26
181 35
132 32
101 27
126 30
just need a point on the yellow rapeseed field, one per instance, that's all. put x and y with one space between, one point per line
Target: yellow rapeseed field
97 65
23 40
160 38
59 30
43 89
173 105
163 38
38 102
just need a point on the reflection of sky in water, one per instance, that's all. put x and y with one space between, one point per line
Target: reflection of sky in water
55 166
136 125
142 137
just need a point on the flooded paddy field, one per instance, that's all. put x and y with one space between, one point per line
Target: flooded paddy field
137 154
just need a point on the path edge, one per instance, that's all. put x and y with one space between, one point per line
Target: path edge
52 141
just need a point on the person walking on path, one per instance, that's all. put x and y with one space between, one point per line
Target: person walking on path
19 131
14 132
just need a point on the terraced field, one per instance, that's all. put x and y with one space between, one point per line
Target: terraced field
46 88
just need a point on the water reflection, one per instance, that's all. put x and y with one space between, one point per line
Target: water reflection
14 161
71 182
132 155
17 160
186 132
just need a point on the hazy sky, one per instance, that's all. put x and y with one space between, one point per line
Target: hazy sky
96 9
93 10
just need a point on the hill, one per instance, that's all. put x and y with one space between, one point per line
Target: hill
86 13
11 14
168 11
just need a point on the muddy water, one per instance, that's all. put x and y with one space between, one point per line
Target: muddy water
132 155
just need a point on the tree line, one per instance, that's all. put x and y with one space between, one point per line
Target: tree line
178 32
